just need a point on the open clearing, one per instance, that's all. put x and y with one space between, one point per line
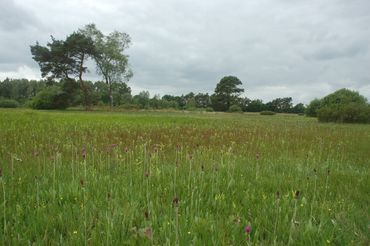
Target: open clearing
182 178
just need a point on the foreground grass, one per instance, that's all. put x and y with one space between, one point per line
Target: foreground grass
178 178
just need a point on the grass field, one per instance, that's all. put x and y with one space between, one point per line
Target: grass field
153 178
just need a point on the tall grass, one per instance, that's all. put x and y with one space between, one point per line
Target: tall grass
173 178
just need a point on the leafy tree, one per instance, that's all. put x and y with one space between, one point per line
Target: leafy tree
312 107
110 60
202 100
336 99
142 99
65 59
344 106
226 93
298 108
256 105
343 96
280 105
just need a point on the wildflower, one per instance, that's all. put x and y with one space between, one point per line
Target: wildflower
146 174
257 156
146 214
74 232
148 232
113 145
247 229
125 149
296 194
83 153
278 195
175 201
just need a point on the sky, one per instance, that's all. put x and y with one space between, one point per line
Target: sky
303 49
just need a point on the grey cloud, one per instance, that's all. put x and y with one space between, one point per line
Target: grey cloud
276 47
332 52
14 17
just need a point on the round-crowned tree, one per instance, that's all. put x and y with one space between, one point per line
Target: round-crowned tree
226 93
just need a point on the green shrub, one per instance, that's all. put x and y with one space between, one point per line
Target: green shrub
209 109
336 99
8 103
312 107
348 113
51 97
235 108
267 113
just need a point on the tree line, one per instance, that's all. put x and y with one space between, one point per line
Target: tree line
52 94
63 66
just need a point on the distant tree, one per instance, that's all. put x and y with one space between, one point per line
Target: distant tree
243 103
312 107
202 100
110 60
65 59
280 105
142 99
256 105
298 108
344 106
226 93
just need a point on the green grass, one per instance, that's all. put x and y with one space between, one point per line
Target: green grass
152 178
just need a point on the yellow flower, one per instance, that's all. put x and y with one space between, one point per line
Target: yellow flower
74 232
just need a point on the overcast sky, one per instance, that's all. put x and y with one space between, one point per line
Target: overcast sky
277 48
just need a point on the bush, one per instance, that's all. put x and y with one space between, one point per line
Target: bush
8 103
235 108
51 97
342 106
209 109
336 99
267 113
349 113
311 109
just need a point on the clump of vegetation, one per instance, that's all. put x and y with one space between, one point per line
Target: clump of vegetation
235 109
51 97
267 113
342 106
8 103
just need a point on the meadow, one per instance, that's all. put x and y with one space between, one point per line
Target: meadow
177 178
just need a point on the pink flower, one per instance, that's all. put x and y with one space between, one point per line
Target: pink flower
247 229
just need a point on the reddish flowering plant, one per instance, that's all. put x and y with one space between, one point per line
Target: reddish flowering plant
175 201
83 152
247 229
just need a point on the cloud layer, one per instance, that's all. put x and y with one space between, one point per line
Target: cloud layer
304 49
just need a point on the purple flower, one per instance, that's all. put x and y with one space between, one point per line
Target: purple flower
83 152
247 229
